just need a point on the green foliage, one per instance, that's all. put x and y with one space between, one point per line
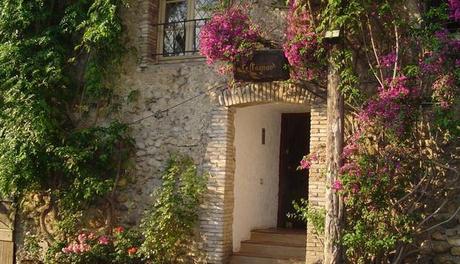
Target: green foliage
168 226
54 60
349 82
314 216
384 207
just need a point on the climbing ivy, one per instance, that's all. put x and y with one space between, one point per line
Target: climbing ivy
55 57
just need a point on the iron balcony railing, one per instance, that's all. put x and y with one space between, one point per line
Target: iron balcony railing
180 38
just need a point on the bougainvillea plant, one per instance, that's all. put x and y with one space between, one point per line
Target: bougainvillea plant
229 35
302 42
398 162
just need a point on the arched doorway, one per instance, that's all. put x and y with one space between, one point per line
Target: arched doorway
225 220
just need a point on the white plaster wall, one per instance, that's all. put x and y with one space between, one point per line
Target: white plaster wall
257 168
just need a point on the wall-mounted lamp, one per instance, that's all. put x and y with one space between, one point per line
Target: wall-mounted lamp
263 136
332 36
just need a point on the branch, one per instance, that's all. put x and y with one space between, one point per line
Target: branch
374 47
42 219
111 197
443 222
401 250
413 190
312 17
117 179
368 58
434 213
395 69
437 163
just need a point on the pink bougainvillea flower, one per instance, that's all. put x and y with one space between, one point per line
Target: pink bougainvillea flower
337 185
454 7
228 35
388 60
355 188
308 160
349 149
305 164
84 248
301 42
103 240
389 107
350 168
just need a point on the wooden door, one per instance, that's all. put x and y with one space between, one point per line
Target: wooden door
293 183
6 234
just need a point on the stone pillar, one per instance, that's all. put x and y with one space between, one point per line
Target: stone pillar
148 32
217 212
316 180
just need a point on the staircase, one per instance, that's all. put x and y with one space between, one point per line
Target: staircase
272 246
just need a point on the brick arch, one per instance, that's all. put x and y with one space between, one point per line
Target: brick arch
255 93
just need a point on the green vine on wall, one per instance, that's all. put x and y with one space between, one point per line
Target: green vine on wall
55 57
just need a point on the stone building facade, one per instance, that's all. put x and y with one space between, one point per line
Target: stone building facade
183 105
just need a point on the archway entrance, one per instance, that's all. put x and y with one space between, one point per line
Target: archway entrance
228 217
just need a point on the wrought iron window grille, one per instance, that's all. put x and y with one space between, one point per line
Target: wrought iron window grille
173 37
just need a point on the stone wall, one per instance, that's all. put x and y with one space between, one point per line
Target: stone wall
442 245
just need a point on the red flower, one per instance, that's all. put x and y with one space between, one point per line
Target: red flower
119 229
132 251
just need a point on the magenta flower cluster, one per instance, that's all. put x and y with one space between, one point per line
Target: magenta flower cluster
433 62
454 6
79 246
301 42
388 108
337 185
228 35
388 60
390 111
308 160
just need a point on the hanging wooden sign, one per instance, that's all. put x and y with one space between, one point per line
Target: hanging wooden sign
262 66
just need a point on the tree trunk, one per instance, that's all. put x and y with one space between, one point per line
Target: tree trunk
334 148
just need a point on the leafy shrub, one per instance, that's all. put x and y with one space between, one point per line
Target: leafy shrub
169 226
314 216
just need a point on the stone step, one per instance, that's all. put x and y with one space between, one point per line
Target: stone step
273 249
294 237
246 258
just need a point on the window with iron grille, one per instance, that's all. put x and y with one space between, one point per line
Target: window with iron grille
180 25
